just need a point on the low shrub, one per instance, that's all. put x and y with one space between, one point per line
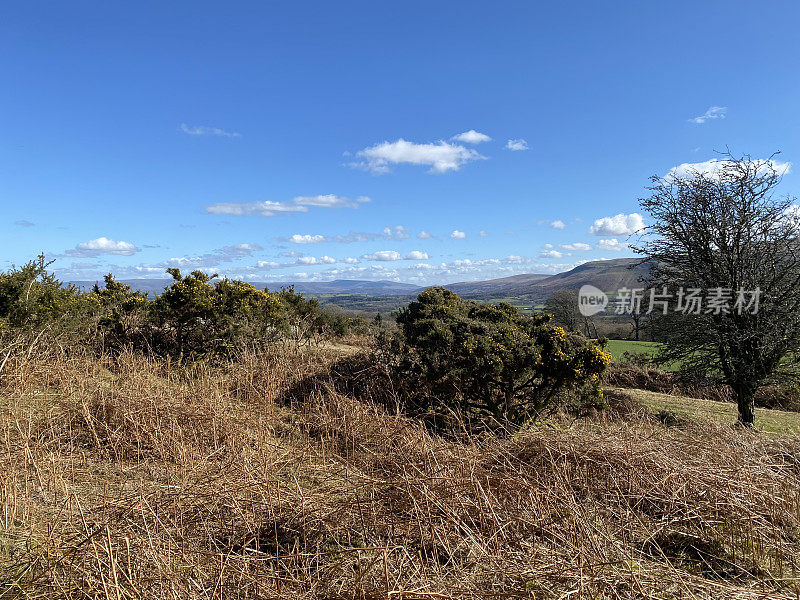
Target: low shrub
489 364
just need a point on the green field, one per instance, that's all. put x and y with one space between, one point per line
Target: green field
618 347
775 422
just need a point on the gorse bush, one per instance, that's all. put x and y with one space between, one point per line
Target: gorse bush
31 298
197 315
490 362
194 316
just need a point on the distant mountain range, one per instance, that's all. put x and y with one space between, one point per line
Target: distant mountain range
608 275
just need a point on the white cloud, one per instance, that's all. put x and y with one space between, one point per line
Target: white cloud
398 232
613 244
306 239
412 271
203 130
620 224
557 224
551 254
483 233
458 235
577 247
238 250
514 259
424 235
417 255
713 112
268 208
330 201
102 245
226 254
712 168
383 255
312 260
441 157
517 145
471 137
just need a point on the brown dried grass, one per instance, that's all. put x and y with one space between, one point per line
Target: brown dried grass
132 478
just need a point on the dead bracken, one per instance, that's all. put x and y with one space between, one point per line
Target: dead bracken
130 477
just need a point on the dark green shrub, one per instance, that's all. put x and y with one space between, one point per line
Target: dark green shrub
121 313
490 362
192 316
32 298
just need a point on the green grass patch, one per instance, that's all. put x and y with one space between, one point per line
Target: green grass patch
618 347
775 422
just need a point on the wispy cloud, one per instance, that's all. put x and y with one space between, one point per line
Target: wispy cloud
613 244
557 224
713 112
302 261
576 247
620 224
299 204
516 145
330 201
102 245
549 252
201 130
424 235
471 137
441 156
226 254
712 168
398 232
393 255
24 223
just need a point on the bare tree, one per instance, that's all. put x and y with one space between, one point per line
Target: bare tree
562 305
725 233
637 324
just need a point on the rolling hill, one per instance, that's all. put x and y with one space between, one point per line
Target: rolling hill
607 275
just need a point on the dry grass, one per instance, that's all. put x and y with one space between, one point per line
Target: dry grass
133 479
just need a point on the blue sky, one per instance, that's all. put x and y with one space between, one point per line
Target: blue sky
292 141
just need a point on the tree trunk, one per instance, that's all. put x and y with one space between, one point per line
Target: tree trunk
745 400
